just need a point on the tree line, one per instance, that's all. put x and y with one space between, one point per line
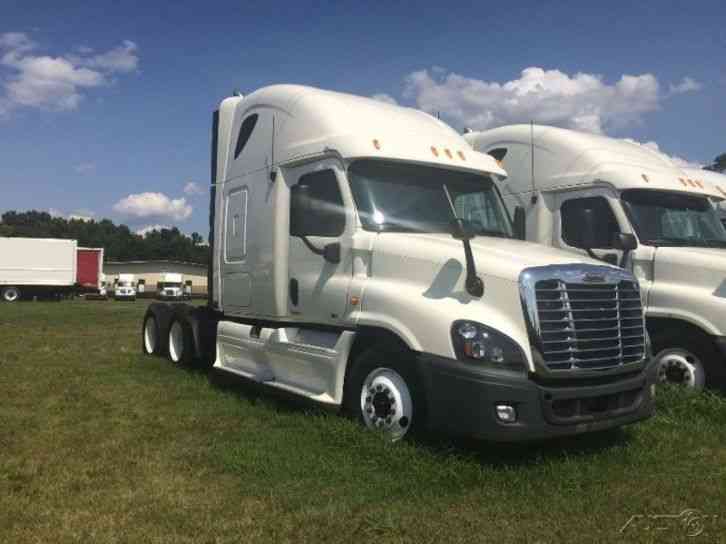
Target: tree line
118 241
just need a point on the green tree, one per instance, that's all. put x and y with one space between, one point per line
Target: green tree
118 241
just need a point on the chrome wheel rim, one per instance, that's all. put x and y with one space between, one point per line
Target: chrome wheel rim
11 294
680 367
176 342
385 403
150 336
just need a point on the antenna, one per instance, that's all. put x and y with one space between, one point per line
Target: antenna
273 173
531 155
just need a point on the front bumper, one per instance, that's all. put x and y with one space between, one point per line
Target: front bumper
461 399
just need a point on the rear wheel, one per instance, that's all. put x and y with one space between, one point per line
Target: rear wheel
150 335
11 294
383 393
180 342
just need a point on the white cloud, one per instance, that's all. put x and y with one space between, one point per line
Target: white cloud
580 101
55 83
192 188
85 168
678 161
686 85
383 97
153 205
143 231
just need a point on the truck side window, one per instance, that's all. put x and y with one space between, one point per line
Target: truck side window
328 218
606 226
236 226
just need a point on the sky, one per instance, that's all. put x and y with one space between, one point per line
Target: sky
105 106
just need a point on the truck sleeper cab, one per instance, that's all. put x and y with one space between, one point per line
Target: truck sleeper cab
627 188
335 276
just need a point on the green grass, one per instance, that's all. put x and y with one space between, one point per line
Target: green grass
99 443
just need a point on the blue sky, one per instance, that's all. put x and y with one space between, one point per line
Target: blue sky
103 102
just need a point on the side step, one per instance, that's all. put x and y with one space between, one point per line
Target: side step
304 361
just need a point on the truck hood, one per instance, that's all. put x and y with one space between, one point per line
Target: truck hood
703 267
503 258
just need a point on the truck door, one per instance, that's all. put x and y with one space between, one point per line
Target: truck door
236 282
567 231
318 286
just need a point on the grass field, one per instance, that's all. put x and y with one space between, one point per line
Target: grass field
101 444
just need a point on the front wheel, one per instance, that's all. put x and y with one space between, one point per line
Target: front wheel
680 366
384 394
11 294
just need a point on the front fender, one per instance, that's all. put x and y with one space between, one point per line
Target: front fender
423 319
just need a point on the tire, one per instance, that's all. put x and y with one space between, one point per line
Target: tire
383 393
687 360
10 294
181 343
151 335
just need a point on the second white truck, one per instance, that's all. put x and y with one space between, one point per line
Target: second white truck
626 204
363 259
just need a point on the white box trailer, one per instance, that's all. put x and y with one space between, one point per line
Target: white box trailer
625 203
36 267
362 258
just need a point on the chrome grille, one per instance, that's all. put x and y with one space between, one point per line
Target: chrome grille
582 317
589 325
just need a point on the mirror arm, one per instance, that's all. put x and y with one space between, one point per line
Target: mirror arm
331 252
310 245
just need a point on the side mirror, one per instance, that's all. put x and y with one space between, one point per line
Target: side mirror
520 224
588 238
625 241
300 210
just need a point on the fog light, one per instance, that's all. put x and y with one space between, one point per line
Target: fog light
506 413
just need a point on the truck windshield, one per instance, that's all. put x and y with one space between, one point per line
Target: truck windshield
663 218
124 283
411 198
170 284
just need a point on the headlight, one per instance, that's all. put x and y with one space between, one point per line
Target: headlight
477 343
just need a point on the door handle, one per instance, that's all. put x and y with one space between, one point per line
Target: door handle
294 291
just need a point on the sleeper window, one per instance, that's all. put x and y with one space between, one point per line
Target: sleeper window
328 217
606 226
236 227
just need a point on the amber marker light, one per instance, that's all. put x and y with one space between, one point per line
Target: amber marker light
354 301
461 155
434 151
448 153
683 182
377 144
645 178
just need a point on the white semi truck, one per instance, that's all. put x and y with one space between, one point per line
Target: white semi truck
170 287
37 267
624 203
363 258
125 287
